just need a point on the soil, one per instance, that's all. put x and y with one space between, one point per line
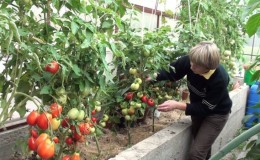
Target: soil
113 142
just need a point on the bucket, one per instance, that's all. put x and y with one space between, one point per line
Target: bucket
252 100
248 75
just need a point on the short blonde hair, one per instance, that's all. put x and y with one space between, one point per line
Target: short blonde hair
205 54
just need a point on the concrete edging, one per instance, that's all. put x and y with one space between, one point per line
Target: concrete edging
173 142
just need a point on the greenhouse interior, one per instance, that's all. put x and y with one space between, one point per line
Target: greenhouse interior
129 79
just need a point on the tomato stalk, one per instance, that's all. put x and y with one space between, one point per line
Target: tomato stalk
153 117
128 134
97 144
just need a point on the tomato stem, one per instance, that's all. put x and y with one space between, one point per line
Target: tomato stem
97 144
153 117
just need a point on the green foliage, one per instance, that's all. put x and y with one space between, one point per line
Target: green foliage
76 34
217 21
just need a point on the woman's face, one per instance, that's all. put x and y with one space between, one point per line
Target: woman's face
197 69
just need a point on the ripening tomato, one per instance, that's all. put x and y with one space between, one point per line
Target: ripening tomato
93 112
52 67
43 120
84 128
75 156
66 157
56 109
55 123
32 143
32 118
34 133
46 149
42 137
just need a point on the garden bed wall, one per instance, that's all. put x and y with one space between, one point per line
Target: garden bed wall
173 142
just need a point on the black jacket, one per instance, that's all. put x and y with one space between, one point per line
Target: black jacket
207 97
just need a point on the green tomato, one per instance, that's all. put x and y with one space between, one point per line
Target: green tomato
105 117
138 105
133 71
102 124
135 86
138 80
127 117
139 94
98 108
81 115
73 113
124 111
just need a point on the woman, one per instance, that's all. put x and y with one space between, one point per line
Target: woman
210 103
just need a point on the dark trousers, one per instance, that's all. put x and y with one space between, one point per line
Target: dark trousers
205 130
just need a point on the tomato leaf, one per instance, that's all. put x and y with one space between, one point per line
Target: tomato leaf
253 24
45 90
21 110
76 69
74 27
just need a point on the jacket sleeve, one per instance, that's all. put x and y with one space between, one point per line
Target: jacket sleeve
176 71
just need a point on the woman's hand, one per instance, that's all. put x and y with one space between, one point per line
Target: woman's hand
170 105
167 106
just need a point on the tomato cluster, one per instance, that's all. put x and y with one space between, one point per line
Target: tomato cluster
52 128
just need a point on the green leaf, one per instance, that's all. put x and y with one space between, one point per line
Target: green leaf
74 27
253 24
85 44
76 69
255 76
254 153
21 110
45 90
107 24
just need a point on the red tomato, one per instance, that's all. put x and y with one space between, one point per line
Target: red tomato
44 120
93 112
66 157
46 149
32 118
94 119
34 133
42 137
56 109
144 99
150 102
65 123
75 156
77 136
55 139
52 67
69 140
32 143
129 96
